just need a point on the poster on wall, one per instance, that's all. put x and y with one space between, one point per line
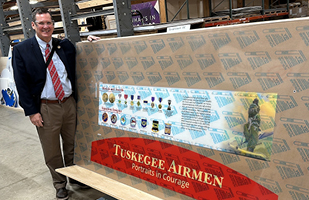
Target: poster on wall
145 13
230 121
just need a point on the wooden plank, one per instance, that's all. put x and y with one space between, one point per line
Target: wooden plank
206 8
266 3
240 3
139 1
104 184
93 3
162 8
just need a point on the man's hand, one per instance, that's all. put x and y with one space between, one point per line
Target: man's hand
36 119
91 38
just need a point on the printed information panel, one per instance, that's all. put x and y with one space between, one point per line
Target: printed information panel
238 122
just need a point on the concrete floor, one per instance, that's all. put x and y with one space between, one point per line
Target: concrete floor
23 173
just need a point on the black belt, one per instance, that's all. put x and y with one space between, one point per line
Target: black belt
46 101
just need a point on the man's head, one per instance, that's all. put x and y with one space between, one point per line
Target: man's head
256 101
43 23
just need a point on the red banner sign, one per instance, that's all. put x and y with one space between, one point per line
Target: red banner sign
177 169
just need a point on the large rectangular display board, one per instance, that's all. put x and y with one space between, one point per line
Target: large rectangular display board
216 113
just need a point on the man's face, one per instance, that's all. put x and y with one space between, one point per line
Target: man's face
43 26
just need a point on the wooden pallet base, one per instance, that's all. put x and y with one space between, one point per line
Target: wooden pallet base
104 184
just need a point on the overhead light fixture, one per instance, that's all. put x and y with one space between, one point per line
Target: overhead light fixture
33 2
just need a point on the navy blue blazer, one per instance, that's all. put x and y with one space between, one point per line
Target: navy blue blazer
30 70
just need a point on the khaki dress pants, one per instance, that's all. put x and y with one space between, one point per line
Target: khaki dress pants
59 121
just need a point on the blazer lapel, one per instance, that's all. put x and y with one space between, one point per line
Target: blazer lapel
37 52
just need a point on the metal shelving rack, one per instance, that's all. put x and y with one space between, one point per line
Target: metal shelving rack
4 36
263 10
212 7
70 13
69 16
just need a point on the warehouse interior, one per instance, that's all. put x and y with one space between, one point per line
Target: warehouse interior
98 17
23 174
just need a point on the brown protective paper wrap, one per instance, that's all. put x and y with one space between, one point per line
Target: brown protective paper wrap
266 57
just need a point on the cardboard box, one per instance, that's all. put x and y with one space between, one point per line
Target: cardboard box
304 11
298 10
294 9
110 22
207 67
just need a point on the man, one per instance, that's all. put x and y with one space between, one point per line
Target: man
252 128
47 93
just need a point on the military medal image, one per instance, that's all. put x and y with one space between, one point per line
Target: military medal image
123 120
169 104
112 98
155 126
160 105
114 118
152 102
105 117
125 99
133 122
144 122
145 102
168 129
105 97
132 98
138 100
119 98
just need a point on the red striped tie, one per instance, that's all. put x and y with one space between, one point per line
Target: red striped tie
59 92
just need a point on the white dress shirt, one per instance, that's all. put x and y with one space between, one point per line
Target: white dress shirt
48 90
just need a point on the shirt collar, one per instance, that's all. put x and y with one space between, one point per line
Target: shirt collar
42 43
